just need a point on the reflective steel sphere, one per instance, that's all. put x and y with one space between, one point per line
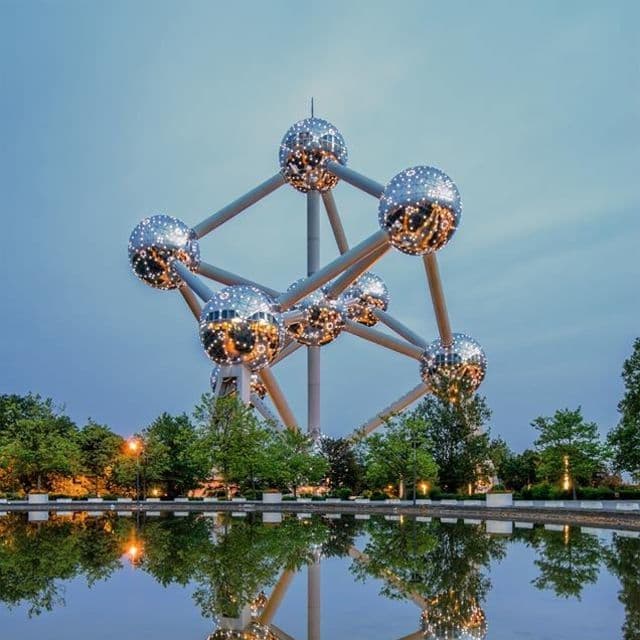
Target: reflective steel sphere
454 371
304 151
420 209
451 617
367 293
240 326
322 322
229 386
155 243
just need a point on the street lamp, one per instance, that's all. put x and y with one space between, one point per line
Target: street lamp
134 446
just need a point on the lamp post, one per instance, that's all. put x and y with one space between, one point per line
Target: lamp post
134 446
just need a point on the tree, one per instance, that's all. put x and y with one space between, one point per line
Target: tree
623 560
624 439
234 440
399 455
99 448
345 469
36 441
519 470
292 461
459 439
569 447
180 460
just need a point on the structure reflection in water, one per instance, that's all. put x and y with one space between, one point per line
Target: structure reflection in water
241 569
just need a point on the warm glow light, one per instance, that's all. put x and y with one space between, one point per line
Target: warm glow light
565 478
134 445
155 493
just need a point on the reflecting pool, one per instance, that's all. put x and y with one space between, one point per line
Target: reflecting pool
216 576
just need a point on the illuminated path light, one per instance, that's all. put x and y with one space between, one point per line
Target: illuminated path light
246 327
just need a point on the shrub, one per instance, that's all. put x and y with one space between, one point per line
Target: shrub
377 495
318 498
343 493
288 499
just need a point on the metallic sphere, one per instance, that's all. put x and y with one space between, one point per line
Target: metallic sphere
367 293
304 152
420 209
240 326
229 384
453 371
155 243
322 321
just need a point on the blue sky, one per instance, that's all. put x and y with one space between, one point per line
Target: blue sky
114 111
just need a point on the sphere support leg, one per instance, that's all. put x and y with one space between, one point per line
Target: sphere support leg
313 601
313 353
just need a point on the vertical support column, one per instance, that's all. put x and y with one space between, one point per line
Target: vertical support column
313 353
313 600
243 382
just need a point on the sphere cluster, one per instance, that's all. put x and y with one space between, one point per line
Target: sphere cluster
420 209
240 326
304 152
229 384
322 321
155 243
455 370
451 617
367 293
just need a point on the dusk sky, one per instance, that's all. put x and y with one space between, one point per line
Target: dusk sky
111 112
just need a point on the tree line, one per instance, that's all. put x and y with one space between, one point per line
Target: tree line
440 447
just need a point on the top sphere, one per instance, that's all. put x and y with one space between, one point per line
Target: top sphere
155 243
454 370
420 209
367 293
240 326
304 152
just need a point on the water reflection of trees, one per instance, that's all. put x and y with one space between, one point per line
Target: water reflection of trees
443 568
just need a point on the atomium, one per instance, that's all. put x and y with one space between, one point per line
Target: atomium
228 385
304 152
322 319
255 327
456 369
155 243
239 325
420 209
367 293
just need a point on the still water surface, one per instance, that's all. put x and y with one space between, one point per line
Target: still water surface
199 577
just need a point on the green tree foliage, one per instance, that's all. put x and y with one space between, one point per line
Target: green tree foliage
173 454
399 454
99 449
345 469
292 461
36 441
519 470
459 439
567 437
625 437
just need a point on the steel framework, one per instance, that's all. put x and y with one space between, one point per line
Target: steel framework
246 328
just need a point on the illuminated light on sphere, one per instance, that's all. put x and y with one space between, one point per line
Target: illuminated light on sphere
240 326
322 322
367 293
420 209
453 370
449 617
255 631
305 150
155 243
229 385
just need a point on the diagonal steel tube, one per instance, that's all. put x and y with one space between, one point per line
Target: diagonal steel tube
279 401
356 179
276 597
334 221
329 271
395 407
227 277
191 300
239 205
286 351
355 271
437 298
399 328
382 339
264 411
193 282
